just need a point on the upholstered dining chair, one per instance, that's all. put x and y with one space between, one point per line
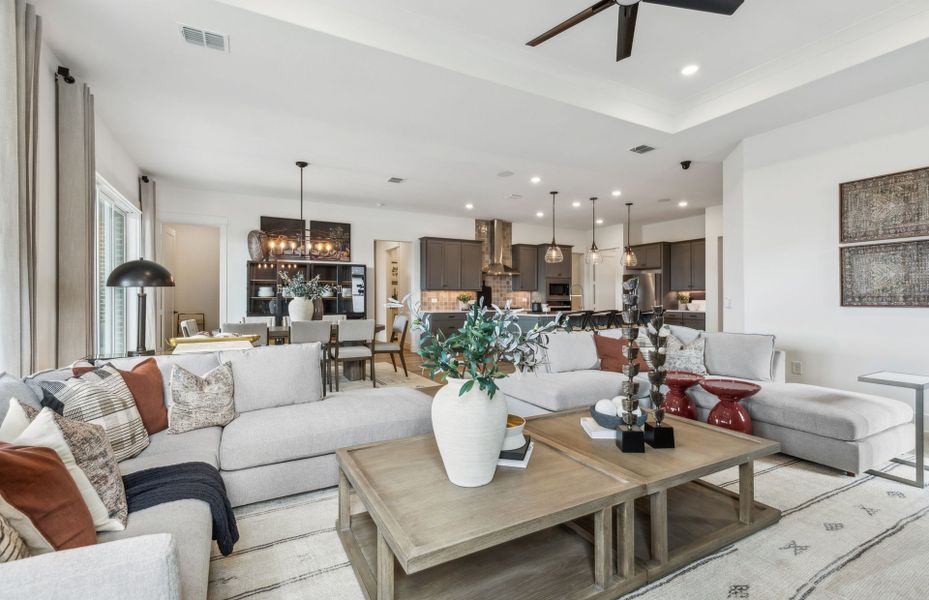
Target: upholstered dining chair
334 318
189 327
259 329
269 321
307 332
394 345
359 333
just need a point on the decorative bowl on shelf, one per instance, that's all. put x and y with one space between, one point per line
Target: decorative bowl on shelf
265 291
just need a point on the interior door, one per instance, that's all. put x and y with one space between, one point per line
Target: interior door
166 315
607 282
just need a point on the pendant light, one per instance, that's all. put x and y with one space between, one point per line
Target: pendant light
629 257
302 164
593 256
553 254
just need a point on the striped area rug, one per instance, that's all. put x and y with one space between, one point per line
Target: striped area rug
840 539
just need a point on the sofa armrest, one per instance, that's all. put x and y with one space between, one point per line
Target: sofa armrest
143 568
779 367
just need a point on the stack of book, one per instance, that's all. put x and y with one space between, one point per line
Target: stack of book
518 458
596 431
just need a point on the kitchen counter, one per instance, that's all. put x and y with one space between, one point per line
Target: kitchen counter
686 312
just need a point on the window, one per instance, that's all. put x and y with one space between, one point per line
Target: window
117 240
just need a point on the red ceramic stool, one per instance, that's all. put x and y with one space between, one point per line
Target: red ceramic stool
729 413
677 402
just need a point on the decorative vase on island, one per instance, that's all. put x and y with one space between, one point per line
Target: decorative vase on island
469 431
300 309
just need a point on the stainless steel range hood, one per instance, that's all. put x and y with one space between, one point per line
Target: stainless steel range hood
497 237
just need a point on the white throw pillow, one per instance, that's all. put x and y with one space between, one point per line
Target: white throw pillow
575 351
14 423
740 355
43 431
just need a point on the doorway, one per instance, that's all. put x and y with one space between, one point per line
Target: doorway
191 253
393 278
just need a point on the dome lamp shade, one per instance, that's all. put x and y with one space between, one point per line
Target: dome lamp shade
141 274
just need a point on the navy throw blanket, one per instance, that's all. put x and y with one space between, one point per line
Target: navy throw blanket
185 481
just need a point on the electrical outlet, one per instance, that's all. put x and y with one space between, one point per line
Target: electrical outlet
796 367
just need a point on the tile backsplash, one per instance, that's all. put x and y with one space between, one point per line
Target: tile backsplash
442 300
501 290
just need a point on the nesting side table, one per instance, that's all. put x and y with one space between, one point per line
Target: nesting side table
918 383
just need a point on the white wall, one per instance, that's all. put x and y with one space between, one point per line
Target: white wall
674 230
113 163
713 232
243 213
196 272
733 234
788 201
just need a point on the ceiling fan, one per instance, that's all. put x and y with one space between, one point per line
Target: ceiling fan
628 10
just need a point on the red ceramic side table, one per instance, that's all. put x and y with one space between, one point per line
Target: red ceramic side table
729 413
677 402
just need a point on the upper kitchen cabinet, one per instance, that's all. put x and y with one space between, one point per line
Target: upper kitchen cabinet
447 264
650 256
688 265
560 270
526 263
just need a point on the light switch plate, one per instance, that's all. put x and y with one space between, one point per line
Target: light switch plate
796 367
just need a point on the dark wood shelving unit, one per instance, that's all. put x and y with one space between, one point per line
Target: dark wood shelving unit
337 275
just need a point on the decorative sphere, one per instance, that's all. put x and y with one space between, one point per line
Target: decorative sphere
605 407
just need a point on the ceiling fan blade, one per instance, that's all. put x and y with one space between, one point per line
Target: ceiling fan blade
720 7
578 18
626 32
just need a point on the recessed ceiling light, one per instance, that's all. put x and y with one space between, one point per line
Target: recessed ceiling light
540 214
535 179
576 204
599 221
682 203
617 193
690 70
469 206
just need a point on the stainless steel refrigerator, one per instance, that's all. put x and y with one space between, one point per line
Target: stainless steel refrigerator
650 288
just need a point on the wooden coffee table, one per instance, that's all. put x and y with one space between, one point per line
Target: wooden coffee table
679 519
412 534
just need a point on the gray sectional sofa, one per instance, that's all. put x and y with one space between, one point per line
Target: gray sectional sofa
848 431
283 442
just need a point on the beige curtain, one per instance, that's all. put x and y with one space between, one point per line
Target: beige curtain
20 45
76 205
147 199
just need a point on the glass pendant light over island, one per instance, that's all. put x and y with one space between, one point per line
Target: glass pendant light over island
553 254
593 256
629 257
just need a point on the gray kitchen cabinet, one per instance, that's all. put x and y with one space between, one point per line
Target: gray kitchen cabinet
526 263
694 320
447 264
445 323
649 256
560 270
688 265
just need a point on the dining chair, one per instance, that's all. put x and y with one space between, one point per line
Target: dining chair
334 318
360 333
603 319
395 344
269 321
189 327
577 320
259 329
307 332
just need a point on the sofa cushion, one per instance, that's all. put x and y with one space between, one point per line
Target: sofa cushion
686 357
283 433
746 356
191 525
573 351
201 445
826 412
275 375
198 363
686 335
610 352
14 387
144 381
564 391
199 402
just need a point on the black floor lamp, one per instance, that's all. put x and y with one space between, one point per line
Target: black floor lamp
141 274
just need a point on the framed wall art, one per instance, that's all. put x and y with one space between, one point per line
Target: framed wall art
887 275
886 207
330 241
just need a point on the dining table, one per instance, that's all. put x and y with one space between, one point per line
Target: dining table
353 371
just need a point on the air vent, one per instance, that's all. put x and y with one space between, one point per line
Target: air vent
663 200
505 174
204 39
643 149
515 196
396 180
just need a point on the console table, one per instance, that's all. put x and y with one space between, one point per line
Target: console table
918 383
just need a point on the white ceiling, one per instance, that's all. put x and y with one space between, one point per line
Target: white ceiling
446 95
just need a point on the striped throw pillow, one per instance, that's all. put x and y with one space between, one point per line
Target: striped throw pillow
12 546
101 397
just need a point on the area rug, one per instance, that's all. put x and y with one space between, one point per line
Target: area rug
840 538
386 377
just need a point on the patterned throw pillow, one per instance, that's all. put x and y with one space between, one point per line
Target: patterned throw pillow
12 546
199 402
101 397
95 457
687 358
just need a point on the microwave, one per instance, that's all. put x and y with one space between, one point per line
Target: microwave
559 288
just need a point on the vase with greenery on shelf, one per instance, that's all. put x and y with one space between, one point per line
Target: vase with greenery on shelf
305 296
468 414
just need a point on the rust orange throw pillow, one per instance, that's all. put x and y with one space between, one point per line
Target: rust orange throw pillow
610 353
40 500
144 381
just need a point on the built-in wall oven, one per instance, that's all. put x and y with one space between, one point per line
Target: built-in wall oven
558 295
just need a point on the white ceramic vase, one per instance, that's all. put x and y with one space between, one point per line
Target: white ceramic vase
469 431
300 309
